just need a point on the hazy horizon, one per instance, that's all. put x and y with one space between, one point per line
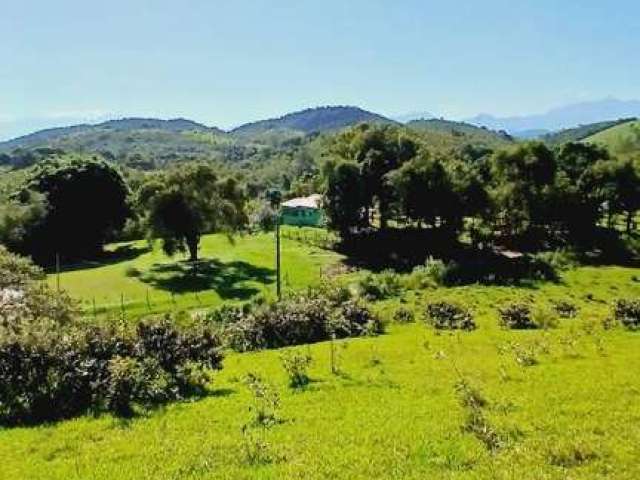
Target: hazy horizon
71 62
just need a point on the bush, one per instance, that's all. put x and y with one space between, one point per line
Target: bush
296 365
300 319
517 316
380 286
627 312
65 371
544 318
403 315
448 316
565 309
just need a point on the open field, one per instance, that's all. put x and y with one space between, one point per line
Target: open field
621 140
227 272
393 411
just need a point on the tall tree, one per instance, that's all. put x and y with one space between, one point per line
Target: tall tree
378 150
86 203
344 200
523 180
186 202
424 191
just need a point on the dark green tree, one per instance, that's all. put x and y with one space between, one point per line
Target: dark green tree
344 199
424 191
186 202
378 150
522 190
87 203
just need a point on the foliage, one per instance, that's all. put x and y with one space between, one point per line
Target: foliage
300 319
296 364
516 316
627 312
449 316
380 286
186 202
52 366
403 315
565 309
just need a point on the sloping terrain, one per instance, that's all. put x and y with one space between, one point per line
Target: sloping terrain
583 131
622 140
312 120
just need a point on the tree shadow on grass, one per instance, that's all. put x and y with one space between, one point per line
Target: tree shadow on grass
122 253
226 278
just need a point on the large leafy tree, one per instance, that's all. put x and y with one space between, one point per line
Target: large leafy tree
344 200
523 182
86 203
578 190
186 202
424 191
378 150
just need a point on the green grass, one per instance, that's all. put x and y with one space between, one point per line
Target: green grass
228 272
623 140
393 413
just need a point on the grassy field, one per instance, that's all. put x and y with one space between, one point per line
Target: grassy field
623 140
147 281
393 411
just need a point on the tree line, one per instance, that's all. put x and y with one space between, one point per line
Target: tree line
72 205
529 192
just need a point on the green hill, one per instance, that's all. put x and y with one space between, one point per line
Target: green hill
622 140
449 134
583 131
312 120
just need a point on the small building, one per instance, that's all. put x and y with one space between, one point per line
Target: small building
303 211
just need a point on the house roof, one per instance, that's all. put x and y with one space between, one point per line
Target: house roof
312 201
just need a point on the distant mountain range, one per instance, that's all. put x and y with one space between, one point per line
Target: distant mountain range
166 139
311 120
565 117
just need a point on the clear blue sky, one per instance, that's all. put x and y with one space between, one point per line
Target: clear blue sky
227 62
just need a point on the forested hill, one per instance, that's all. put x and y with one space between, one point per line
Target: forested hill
52 136
583 131
447 131
312 120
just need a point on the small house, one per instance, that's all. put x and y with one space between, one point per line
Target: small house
303 211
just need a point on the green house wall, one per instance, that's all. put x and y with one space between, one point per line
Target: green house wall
311 217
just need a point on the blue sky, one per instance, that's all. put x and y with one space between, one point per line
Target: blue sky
227 62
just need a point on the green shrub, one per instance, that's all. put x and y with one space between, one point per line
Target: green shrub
380 286
565 309
300 319
627 312
448 316
296 364
516 316
403 315
65 371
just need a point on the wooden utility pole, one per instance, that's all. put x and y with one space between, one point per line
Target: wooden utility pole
278 286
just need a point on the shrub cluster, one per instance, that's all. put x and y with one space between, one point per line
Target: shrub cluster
299 319
380 286
448 316
517 316
48 372
627 312
403 315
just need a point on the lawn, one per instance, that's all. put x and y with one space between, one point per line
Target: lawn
146 281
393 411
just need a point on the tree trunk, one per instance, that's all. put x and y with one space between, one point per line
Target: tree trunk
192 245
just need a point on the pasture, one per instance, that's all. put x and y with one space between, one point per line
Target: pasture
141 280
556 404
